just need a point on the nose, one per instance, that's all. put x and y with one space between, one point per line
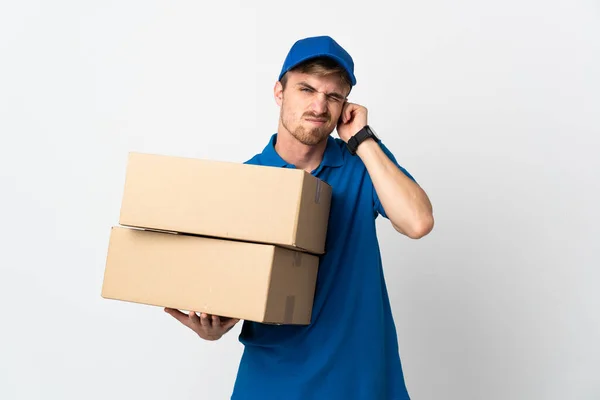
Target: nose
319 104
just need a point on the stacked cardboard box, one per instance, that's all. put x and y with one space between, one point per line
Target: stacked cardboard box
235 240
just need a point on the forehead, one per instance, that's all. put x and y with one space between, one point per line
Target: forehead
330 83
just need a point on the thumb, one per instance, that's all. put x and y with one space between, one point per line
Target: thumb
229 324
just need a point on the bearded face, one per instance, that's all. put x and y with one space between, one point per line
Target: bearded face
311 106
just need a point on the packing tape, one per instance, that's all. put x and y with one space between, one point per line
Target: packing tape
288 315
297 258
318 192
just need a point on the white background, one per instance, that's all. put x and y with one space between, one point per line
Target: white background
494 106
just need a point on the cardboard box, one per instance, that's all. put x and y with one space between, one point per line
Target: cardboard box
281 206
257 282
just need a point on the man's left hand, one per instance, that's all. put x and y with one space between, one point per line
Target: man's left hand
352 120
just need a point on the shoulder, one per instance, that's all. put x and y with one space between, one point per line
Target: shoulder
346 153
347 158
254 160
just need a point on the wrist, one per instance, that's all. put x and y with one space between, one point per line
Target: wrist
366 134
367 147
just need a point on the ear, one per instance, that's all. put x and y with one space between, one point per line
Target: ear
278 93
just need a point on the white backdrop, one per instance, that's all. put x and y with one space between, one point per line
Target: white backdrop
493 106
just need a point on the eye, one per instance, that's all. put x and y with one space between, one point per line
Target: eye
304 89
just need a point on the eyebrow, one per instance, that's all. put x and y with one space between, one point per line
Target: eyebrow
332 94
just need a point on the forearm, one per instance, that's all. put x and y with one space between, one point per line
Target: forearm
405 203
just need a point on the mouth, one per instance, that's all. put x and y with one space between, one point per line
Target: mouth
316 121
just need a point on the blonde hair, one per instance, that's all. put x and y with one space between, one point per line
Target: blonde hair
322 67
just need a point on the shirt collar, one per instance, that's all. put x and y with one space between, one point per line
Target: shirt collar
332 158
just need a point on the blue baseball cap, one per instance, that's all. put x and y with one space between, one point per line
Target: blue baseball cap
318 46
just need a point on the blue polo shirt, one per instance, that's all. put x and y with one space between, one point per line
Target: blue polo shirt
350 349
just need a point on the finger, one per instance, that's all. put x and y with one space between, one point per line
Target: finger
205 321
345 112
216 321
348 112
178 315
193 318
341 119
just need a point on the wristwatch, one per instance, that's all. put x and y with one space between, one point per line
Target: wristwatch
362 135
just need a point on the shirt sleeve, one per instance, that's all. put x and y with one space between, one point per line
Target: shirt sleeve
377 207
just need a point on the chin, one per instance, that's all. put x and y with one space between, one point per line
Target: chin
308 135
311 138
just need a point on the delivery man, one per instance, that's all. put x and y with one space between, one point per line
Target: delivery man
350 349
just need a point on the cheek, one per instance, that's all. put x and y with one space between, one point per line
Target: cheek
294 111
289 116
335 115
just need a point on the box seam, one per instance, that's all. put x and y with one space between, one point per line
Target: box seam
269 282
297 221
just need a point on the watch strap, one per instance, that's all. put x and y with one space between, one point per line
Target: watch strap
360 137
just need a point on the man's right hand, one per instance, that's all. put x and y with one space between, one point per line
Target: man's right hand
208 327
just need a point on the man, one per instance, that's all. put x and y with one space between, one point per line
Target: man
350 350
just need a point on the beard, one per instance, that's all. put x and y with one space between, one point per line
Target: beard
307 136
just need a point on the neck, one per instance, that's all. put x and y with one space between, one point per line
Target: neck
303 156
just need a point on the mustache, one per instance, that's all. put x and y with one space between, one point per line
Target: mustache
325 116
